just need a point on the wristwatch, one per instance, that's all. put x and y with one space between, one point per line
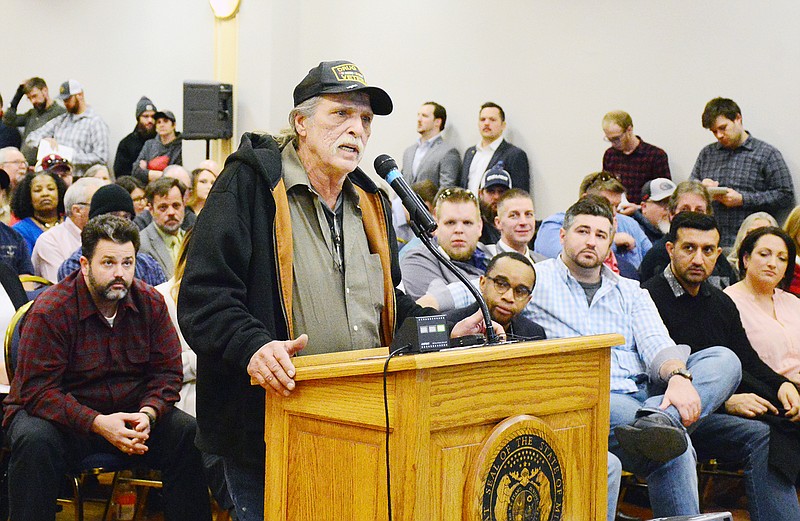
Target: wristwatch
152 417
681 372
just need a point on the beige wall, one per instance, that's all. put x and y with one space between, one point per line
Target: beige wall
556 67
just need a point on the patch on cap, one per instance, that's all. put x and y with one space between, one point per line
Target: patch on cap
348 72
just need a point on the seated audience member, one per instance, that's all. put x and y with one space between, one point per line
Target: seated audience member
12 297
114 200
210 165
59 166
689 196
5 197
72 396
14 250
144 218
161 151
653 214
39 204
792 227
457 234
630 242
9 136
202 181
100 172
187 402
507 287
750 223
15 165
701 316
136 189
516 222
59 242
630 159
770 315
130 146
426 190
494 183
162 238
658 390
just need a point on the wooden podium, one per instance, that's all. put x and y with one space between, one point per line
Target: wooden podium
326 456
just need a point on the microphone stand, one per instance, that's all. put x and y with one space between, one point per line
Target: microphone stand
425 237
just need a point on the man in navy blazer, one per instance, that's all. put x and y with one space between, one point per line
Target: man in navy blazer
493 149
431 157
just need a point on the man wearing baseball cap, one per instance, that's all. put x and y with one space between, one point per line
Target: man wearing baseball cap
653 217
495 182
130 146
80 129
294 251
59 166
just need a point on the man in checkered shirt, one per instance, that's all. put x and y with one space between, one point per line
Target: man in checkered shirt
753 172
81 128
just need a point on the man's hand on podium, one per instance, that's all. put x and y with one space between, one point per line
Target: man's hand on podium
272 367
474 325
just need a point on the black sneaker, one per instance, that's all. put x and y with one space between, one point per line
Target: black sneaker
653 437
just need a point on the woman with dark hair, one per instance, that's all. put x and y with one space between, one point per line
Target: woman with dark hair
38 203
136 189
770 315
202 181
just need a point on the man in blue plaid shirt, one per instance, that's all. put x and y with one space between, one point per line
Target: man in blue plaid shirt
658 390
754 173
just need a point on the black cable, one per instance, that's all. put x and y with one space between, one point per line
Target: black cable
386 416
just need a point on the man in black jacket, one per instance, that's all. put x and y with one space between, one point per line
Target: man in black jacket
293 251
700 315
130 146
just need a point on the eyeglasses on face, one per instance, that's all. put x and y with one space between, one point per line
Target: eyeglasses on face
502 285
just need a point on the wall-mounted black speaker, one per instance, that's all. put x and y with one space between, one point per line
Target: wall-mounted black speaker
207 110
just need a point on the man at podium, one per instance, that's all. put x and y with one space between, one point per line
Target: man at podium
294 238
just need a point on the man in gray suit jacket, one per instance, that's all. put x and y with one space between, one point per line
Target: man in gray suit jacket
162 238
430 157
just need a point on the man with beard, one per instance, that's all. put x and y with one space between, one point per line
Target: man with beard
700 315
81 129
495 182
162 238
457 234
294 254
130 146
44 109
658 390
99 370
653 214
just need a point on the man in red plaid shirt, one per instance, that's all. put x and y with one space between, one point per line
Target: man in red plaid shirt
99 370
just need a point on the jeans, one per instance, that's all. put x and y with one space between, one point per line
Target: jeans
246 488
41 453
673 485
614 480
740 440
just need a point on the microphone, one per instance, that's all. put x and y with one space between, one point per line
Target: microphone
423 224
386 167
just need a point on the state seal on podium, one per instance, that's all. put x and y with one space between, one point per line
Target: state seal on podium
517 475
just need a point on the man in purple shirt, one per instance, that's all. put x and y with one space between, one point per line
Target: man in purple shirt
99 370
633 161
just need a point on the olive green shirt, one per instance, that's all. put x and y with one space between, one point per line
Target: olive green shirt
337 295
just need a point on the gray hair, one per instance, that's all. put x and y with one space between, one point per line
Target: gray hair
96 168
4 153
79 191
305 109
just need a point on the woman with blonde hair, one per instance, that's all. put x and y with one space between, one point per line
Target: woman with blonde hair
750 223
202 181
792 228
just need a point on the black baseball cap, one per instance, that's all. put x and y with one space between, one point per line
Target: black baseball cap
341 76
164 114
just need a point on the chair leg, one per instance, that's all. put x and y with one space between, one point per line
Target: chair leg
107 513
78 495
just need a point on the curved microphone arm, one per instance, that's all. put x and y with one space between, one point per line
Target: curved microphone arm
491 335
